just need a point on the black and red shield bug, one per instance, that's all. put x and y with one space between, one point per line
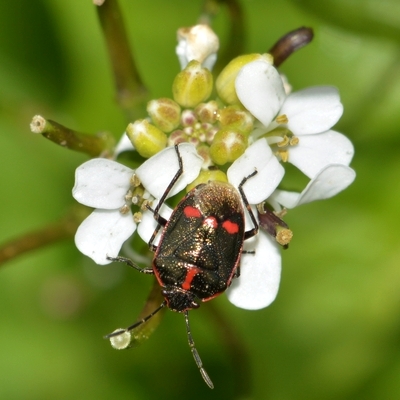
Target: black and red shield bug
199 251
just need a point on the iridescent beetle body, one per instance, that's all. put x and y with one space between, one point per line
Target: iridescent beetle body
201 245
199 250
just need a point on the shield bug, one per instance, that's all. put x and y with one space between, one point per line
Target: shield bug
200 247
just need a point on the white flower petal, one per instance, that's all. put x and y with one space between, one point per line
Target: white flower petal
148 224
157 172
260 89
124 144
258 157
312 110
260 274
198 43
284 198
315 152
103 233
328 183
101 183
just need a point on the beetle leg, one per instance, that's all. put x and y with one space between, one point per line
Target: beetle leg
254 231
248 252
195 353
161 220
131 264
136 324
152 246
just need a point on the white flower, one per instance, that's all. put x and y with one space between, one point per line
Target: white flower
198 43
103 185
258 283
327 183
308 114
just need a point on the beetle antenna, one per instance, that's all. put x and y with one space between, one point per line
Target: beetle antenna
136 324
195 353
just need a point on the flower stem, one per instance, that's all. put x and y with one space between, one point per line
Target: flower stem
235 346
144 331
101 144
65 228
290 43
236 35
131 92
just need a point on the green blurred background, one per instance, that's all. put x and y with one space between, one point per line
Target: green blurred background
334 330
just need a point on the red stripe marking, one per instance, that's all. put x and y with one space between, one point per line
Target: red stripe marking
230 227
191 211
191 273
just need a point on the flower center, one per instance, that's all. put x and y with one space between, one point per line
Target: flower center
135 195
281 139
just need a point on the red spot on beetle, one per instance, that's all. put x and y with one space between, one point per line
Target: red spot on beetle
191 211
230 227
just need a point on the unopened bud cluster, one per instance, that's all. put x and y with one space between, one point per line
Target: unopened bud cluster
219 127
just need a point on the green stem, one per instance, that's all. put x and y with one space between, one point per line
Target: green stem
235 346
99 145
65 228
131 92
235 46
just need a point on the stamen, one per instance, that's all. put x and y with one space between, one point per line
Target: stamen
135 181
145 204
294 141
282 119
284 142
128 196
124 209
137 217
284 154
283 236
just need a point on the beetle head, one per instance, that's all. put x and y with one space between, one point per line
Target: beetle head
178 299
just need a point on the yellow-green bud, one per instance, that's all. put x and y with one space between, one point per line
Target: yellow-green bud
227 146
207 112
206 176
237 118
203 150
146 138
165 113
225 83
192 85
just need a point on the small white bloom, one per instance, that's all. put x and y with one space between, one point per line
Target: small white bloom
308 114
330 181
260 275
198 43
103 185
260 272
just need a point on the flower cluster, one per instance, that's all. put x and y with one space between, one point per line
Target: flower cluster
254 123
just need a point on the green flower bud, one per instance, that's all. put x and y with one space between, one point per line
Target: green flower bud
146 138
228 145
165 113
192 85
203 151
236 118
225 83
207 112
208 175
